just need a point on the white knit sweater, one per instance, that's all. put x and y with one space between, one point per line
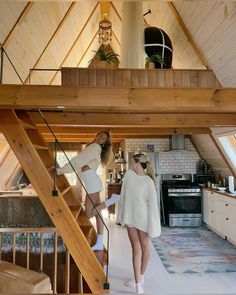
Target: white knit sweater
90 156
138 204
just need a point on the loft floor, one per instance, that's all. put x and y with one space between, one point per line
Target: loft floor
157 279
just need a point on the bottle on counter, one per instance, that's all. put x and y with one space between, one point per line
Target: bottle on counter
208 183
224 182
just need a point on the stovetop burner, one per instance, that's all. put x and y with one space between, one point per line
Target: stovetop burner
178 181
177 177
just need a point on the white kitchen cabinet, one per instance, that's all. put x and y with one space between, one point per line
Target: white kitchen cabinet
219 212
227 216
210 209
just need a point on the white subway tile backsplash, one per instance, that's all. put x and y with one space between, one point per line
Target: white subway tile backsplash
170 161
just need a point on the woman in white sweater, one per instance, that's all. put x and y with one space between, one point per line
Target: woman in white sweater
86 164
138 211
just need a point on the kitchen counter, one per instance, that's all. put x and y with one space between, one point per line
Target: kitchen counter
224 193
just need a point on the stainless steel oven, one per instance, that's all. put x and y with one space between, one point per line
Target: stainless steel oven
181 200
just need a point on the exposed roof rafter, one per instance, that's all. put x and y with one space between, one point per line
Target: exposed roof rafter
76 40
52 37
187 33
17 23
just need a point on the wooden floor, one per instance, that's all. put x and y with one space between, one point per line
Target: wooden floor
157 279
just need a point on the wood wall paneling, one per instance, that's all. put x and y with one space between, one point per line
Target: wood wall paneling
81 47
141 78
13 11
29 39
212 25
62 42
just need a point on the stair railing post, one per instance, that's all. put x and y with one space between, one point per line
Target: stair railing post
55 191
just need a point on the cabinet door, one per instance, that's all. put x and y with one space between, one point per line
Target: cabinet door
227 212
231 229
205 208
216 198
213 210
210 208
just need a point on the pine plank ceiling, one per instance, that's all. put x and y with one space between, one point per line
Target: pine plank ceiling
56 34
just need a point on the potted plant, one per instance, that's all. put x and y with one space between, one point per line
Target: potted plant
105 59
154 59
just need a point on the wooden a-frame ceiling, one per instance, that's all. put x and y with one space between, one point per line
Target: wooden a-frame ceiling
55 34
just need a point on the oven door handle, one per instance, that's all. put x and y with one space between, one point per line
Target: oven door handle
184 195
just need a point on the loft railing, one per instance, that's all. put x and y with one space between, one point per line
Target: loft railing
4 54
39 242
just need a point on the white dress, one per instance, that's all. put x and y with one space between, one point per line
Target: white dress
90 156
138 204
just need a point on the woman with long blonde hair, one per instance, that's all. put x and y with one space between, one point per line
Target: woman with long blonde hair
86 164
138 211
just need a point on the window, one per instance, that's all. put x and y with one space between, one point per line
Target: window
61 159
229 145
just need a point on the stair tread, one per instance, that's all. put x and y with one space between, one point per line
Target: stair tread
27 125
75 210
40 147
65 190
102 256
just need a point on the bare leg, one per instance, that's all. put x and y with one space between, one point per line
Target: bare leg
144 241
136 252
91 211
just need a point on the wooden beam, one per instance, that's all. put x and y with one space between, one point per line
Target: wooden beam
89 138
52 37
77 131
105 9
197 100
107 120
187 33
17 23
85 140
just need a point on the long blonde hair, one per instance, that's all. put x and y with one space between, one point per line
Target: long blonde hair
106 153
142 159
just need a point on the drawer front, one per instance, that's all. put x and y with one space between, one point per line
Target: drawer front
227 209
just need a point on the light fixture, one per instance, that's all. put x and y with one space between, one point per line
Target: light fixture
105 32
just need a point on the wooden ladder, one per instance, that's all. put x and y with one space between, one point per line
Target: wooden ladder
64 210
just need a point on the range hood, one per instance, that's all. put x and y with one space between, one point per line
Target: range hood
177 142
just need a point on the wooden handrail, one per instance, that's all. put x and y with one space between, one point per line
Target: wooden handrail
28 230
41 231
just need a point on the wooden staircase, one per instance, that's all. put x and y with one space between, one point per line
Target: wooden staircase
64 210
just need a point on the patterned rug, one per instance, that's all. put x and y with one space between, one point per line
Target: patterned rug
194 250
